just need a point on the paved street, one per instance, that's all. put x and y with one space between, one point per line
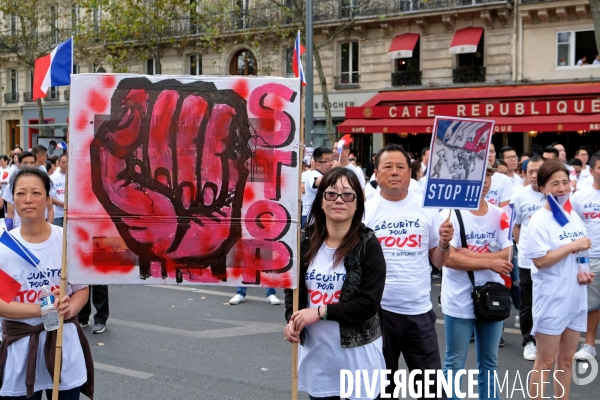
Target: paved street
184 343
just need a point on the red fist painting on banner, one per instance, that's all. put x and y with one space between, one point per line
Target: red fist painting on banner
183 179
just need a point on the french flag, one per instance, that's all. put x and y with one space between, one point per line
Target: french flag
53 69
15 261
561 208
62 145
297 60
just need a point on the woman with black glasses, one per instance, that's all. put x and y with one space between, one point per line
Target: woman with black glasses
342 272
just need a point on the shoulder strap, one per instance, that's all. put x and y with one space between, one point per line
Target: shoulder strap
463 240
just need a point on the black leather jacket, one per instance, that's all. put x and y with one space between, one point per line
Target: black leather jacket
359 309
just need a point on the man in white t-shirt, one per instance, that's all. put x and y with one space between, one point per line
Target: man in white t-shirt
501 188
410 236
509 155
582 154
562 156
526 202
344 157
586 203
59 181
305 202
425 159
323 157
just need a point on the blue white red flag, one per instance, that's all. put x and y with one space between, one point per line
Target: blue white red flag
507 220
62 145
561 208
53 69
15 261
297 60
344 141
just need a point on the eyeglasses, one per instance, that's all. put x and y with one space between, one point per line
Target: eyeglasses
333 196
510 157
330 160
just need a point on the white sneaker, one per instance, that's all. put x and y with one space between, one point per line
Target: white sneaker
237 299
529 352
517 322
586 350
273 300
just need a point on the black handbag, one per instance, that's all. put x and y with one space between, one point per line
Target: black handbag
491 302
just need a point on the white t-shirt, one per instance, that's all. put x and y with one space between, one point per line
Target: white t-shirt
73 369
501 189
59 185
589 180
516 181
415 187
322 357
586 203
480 232
406 232
583 175
305 202
526 201
310 190
371 191
359 174
556 292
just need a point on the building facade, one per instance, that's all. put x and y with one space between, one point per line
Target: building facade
423 47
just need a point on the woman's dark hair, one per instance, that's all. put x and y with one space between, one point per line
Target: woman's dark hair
48 165
30 172
53 160
317 218
548 168
415 167
501 162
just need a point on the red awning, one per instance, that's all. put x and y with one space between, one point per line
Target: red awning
466 40
503 124
403 45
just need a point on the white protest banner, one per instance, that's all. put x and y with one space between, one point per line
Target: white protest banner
457 162
183 179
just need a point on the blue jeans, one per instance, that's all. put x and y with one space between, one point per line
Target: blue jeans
72 394
59 221
303 221
487 338
242 291
515 290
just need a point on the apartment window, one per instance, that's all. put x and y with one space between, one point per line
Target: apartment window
96 13
52 93
242 16
150 66
30 85
54 23
573 46
349 62
195 11
412 64
75 69
74 17
243 63
13 24
348 8
289 60
13 81
409 5
195 61
472 60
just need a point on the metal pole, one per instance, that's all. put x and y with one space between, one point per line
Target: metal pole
308 94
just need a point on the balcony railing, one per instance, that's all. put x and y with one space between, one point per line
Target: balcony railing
67 94
11 97
52 95
327 10
347 81
406 78
468 74
27 97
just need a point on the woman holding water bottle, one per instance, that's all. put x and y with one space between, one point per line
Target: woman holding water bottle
22 323
557 245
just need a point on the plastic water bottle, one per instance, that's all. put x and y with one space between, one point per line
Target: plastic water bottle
49 313
583 261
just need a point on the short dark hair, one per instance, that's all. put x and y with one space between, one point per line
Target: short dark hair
61 156
555 143
548 168
39 149
5 158
575 162
52 142
48 165
536 158
581 148
501 162
320 151
425 149
551 149
30 171
593 159
415 167
24 155
389 148
505 149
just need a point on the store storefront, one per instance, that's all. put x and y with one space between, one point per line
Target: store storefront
528 117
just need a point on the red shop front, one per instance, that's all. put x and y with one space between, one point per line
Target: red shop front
528 117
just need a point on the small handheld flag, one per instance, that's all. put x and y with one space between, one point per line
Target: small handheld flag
561 208
15 260
344 141
62 145
507 220
297 60
53 69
